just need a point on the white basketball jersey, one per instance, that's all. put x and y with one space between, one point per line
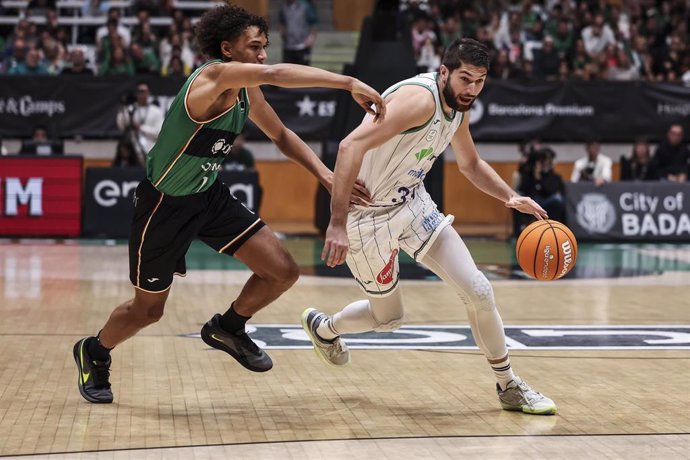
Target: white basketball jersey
394 169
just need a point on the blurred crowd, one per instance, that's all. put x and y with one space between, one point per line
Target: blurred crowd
47 46
537 178
559 39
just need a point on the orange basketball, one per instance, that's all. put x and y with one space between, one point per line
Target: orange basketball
546 250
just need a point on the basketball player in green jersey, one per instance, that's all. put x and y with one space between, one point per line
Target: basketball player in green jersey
182 198
424 115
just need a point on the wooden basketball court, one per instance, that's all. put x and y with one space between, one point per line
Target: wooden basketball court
622 387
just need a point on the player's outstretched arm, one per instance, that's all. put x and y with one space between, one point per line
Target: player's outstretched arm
290 145
484 177
218 78
407 108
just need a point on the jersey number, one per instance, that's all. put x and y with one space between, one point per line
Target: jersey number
404 191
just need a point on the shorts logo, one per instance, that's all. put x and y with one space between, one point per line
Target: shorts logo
386 275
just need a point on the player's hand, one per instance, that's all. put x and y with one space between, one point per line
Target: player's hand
365 95
335 247
359 196
527 205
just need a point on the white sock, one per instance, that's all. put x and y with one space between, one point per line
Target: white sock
325 330
503 371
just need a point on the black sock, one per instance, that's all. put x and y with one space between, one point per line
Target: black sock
96 350
231 321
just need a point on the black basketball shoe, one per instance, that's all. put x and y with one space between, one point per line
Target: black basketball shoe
238 345
93 381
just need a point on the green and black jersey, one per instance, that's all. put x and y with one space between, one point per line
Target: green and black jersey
188 154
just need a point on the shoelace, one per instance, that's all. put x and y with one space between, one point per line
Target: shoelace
528 393
101 374
249 343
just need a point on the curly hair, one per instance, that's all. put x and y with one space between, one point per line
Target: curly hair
225 22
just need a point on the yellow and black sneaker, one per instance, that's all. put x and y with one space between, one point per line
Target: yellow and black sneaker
238 345
93 381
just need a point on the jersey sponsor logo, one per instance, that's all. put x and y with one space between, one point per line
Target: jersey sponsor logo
424 153
210 143
459 337
432 134
418 173
208 166
386 275
221 147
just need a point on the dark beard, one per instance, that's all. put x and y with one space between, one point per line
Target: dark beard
451 99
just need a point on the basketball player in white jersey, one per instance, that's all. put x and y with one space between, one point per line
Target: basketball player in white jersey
424 114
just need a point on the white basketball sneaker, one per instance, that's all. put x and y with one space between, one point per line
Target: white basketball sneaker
333 352
519 396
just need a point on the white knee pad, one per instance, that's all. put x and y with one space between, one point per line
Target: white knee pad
481 292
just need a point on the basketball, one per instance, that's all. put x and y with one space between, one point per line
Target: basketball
546 250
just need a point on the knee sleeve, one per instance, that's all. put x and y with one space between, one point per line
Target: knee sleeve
481 292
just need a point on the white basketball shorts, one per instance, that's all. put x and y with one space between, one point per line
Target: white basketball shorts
377 234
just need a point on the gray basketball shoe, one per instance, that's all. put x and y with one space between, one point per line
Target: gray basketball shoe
333 352
519 396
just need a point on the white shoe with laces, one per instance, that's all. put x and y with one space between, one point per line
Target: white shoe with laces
333 352
518 396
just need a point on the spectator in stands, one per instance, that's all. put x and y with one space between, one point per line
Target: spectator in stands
77 64
117 62
54 56
421 32
297 31
105 45
429 58
31 66
673 156
501 67
16 54
173 40
547 60
141 121
639 165
597 36
126 156
240 157
540 182
623 69
450 30
95 8
122 31
563 38
580 59
594 167
51 26
144 62
41 144
175 68
147 39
